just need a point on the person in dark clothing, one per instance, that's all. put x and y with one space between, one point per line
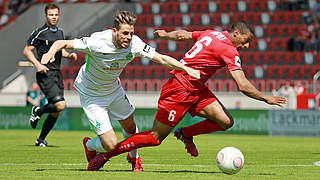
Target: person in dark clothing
48 76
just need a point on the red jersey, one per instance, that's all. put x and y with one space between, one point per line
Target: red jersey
212 51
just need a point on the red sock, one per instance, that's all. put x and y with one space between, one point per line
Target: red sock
204 127
138 140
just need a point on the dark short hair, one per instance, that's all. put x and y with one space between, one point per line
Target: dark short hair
124 17
243 27
51 6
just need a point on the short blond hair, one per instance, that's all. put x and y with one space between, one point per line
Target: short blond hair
124 17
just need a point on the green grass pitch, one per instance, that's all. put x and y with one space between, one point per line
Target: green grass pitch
265 158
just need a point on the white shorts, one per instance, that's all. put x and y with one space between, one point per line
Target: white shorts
100 110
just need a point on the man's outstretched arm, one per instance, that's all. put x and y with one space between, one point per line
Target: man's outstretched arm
245 86
57 46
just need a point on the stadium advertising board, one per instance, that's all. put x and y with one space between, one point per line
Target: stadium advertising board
273 122
70 119
294 123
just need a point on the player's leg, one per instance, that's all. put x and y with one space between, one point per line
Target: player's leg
99 119
97 111
217 119
48 125
204 107
171 110
46 128
142 139
122 110
52 87
217 116
130 128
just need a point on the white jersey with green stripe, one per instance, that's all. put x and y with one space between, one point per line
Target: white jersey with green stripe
99 76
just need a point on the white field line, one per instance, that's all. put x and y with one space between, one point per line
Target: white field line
293 165
164 165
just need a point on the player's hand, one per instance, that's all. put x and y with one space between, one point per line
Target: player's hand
42 68
160 33
276 100
47 57
73 56
193 73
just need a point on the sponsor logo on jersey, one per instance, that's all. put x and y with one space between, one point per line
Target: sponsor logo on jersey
98 125
129 56
237 61
114 66
146 48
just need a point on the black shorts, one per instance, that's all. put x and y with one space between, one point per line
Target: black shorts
51 85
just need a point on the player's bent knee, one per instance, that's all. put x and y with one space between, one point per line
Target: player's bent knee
158 137
110 145
56 114
60 106
228 124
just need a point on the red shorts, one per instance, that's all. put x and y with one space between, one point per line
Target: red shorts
175 101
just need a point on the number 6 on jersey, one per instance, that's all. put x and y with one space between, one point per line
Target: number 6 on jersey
171 115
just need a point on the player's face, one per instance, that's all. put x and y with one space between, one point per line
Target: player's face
52 17
123 36
242 41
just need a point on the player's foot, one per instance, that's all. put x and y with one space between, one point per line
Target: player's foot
89 154
41 143
97 162
188 141
136 163
34 118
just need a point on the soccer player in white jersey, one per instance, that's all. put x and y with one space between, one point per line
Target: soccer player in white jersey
101 95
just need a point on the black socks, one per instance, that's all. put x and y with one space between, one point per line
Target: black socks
47 126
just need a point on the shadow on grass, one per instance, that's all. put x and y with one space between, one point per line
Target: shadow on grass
263 174
164 171
168 172
49 146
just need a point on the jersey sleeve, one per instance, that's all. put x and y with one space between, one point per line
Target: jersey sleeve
32 40
82 44
142 49
196 35
232 59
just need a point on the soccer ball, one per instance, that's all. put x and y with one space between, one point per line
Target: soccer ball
230 160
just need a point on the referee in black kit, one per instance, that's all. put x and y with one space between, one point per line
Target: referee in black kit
48 76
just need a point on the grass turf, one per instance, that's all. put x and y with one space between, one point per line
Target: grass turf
265 158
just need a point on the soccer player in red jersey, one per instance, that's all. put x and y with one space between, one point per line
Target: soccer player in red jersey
182 93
